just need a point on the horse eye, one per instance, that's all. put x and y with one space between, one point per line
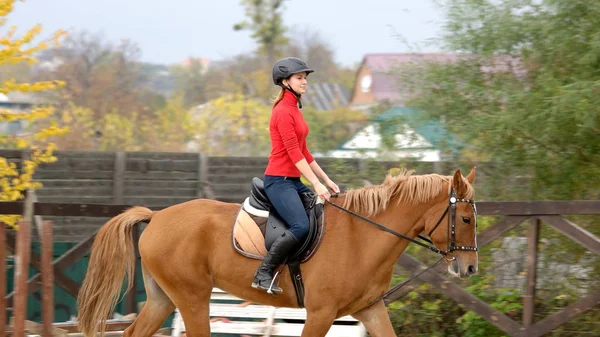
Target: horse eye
466 219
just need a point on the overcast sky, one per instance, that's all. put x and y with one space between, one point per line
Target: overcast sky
169 31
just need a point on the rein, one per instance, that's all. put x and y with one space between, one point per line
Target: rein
391 231
451 242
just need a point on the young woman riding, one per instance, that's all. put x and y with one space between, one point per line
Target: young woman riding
288 160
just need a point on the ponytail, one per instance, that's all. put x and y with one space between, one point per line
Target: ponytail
279 97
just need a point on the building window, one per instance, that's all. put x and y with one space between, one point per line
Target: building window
365 83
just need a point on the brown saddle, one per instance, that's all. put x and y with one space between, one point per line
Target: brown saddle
258 224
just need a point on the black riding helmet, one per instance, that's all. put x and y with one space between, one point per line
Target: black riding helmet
287 67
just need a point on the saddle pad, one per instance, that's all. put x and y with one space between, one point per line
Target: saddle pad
248 236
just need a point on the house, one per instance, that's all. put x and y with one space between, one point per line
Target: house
375 80
326 96
17 102
400 133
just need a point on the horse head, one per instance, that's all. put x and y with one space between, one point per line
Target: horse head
452 226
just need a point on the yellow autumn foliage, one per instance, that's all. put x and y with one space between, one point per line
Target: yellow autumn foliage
13 50
166 129
232 125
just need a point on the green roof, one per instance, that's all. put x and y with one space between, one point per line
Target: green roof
432 130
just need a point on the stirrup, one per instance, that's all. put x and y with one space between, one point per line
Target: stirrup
269 290
276 277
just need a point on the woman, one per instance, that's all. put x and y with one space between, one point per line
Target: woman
289 159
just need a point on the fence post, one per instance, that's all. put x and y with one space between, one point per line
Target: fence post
37 220
22 255
119 177
532 256
203 190
362 166
438 167
2 279
47 278
201 176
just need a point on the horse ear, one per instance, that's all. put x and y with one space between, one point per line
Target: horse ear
458 183
471 176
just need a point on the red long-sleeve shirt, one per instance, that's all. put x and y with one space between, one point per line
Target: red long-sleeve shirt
288 131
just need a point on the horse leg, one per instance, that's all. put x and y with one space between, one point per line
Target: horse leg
196 316
157 308
376 320
318 323
192 298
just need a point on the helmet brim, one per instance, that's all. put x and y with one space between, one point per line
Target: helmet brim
306 70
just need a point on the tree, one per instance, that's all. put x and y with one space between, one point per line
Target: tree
266 25
524 91
310 46
167 129
100 76
170 128
243 75
329 129
189 81
14 181
316 52
232 125
18 72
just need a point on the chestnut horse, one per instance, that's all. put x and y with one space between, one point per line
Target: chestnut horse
186 250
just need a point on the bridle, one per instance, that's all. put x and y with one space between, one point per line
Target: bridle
452 226
452 201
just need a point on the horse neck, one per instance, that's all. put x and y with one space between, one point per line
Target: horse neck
406 219
381 247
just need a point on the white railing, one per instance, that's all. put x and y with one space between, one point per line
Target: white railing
262 320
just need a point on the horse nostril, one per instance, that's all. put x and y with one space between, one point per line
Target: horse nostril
471 269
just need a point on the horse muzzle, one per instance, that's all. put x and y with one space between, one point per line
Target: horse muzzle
462 269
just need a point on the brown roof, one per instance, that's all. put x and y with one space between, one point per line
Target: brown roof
386 85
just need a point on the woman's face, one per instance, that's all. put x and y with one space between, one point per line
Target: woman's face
297 82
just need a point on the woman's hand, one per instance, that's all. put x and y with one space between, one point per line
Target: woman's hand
322 191
332 186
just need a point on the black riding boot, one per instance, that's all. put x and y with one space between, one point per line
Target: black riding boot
280 249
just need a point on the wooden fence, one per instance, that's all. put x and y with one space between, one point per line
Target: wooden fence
158 179
533 213
84 189
20 246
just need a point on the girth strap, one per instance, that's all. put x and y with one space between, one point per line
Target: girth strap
296 275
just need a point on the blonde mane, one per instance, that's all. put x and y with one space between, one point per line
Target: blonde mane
371 200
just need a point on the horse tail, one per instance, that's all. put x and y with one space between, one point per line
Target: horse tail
111 257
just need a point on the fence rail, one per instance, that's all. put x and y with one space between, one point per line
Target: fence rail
514 213
158 179
83 189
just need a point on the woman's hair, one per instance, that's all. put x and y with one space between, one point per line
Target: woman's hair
279 97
